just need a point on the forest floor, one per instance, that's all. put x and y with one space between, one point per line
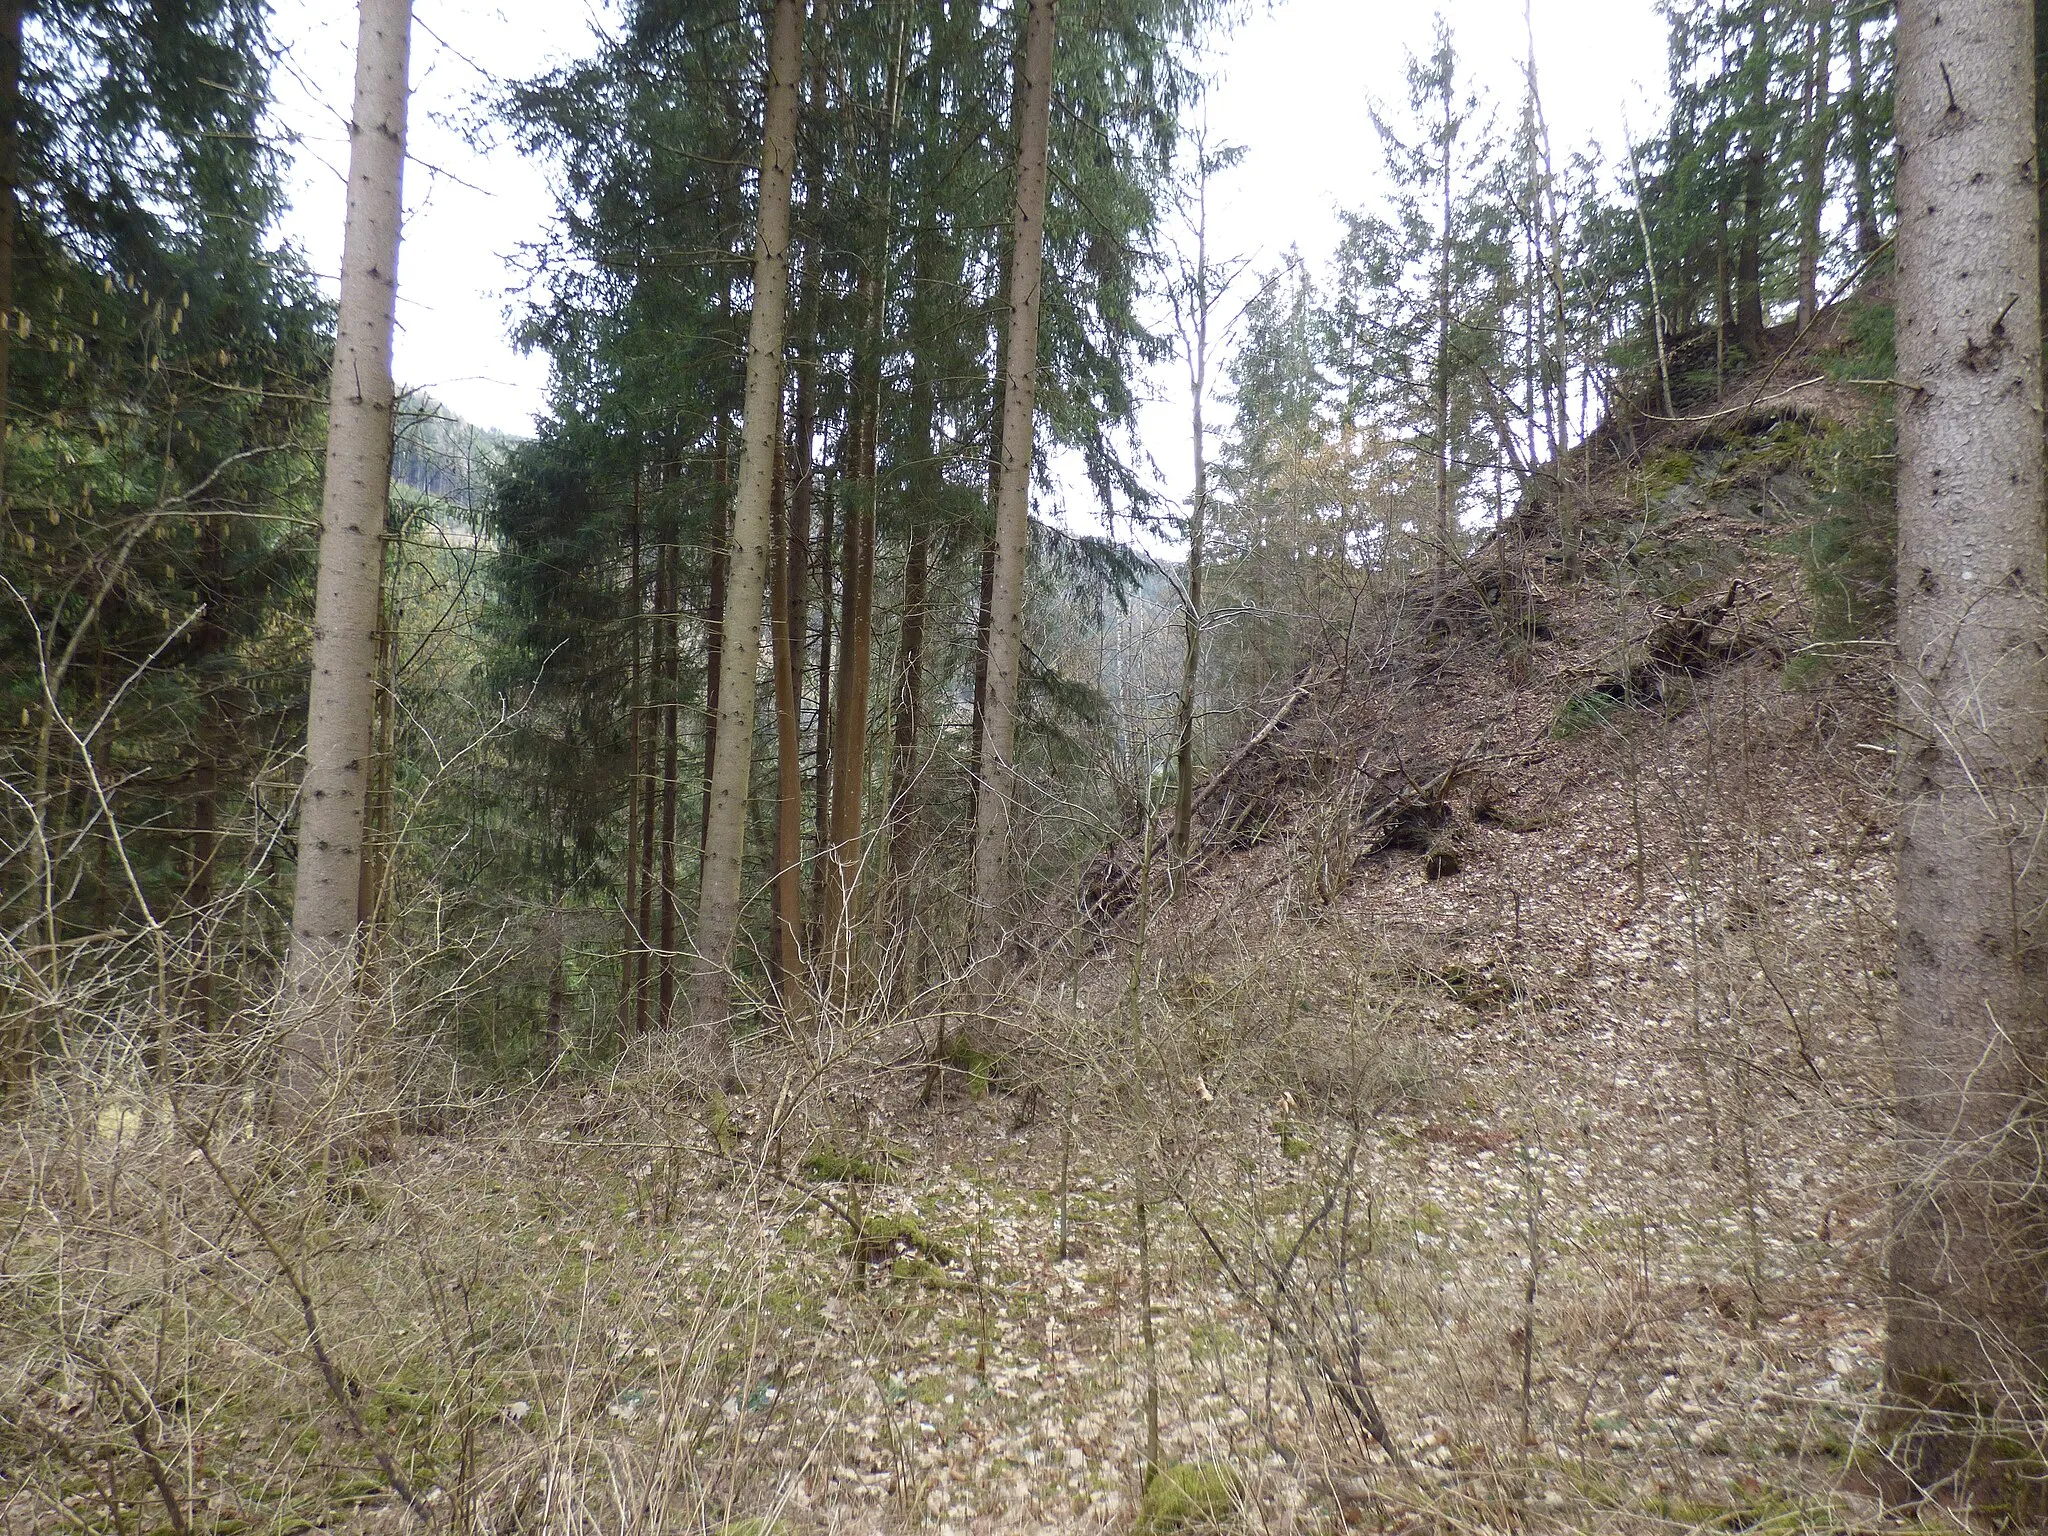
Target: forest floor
1544 1194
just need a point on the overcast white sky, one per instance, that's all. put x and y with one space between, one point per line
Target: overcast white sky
1292 85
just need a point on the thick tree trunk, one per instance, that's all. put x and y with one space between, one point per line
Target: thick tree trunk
995 788
342 701
799 469
986 592
1968 1328
718 909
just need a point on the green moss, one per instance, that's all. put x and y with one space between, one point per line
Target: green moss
1293 1146
724 1135
1666 472
885 1239
918 1270
354 1487
826 1164
754 1525
1188 1496
981 1070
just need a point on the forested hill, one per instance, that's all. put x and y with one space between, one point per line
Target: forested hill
1470 963
439 454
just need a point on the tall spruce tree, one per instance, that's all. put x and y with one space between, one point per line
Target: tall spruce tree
1967 1329
718 908
327 908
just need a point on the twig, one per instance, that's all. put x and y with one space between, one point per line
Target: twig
338 1386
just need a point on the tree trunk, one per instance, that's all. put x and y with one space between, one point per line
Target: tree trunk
842 854
800 472
785 953
1863 193
718 909
714 627
927 484
1965 1352
823 729
1198 522
10 199
342 700
983 615
995 788
644 914
1443 342
668 596
986 592
370 885
903 767
1749 258
1813 179
633 958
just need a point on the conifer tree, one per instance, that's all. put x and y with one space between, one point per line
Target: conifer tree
326 902
164 353
747 562
995 789
1967 1333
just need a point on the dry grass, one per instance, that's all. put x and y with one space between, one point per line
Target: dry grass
1544 1197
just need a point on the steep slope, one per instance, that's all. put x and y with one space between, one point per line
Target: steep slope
1592 853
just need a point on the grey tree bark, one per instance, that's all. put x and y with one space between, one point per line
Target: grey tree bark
341 700
995 789
718 905
1964 1350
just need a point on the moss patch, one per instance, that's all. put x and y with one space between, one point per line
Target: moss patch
886 1239
982 1071
827 1164
1188 1496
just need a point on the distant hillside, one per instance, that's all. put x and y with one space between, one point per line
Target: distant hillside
439 454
